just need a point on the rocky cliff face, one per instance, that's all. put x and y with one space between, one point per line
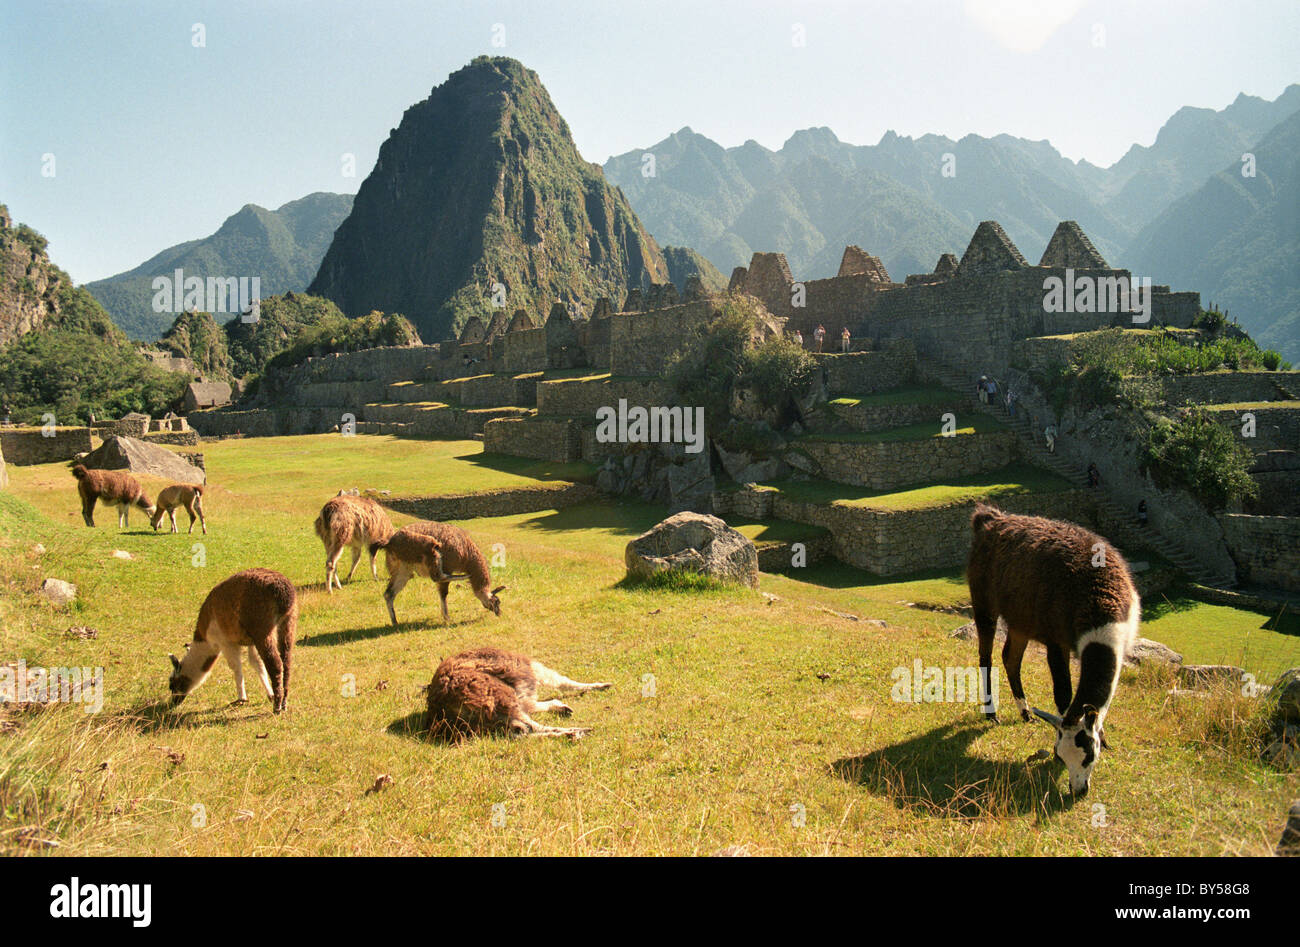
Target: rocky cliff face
29 282
481 185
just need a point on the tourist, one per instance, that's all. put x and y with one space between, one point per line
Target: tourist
1049 435
991 387
1011 402
1142 512
798 338
819 335
1094 475
844 340
982 389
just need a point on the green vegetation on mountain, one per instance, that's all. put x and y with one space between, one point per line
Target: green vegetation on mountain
282 247
683 263
481 185
60 353
1197 452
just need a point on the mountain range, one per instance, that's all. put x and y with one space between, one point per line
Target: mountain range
909 200
283 247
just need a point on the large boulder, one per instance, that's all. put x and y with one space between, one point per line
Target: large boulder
127 453
694 542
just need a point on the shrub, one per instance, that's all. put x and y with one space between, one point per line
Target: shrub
1198 453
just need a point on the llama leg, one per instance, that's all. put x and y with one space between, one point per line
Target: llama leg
332 557
270 656
550 678
123 511
986 627
1058 662
233 658
443 589
396 582
255 662
87 504
1012 653
534 706
356 557
171 516
285 650
198 508
531 728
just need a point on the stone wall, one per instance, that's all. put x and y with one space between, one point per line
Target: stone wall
186 438
581 397
1224 387
4 473
504 502
903 541
1265 548
525 350
554 439
641 343
886 465
23 446
1276 428
881 417
861 373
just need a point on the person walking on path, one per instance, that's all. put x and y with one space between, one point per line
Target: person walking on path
819 336
1049 435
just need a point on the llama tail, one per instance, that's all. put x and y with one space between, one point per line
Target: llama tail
198 488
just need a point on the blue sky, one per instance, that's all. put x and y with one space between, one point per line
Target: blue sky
156 141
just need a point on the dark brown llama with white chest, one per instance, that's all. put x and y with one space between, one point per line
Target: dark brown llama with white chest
1069 589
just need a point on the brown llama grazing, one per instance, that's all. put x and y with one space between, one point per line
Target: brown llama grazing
188 495
442 553
255 609
492 691
1067 588
112 488
354 522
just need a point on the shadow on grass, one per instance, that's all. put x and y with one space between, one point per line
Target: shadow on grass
836 575
573 471
348 635
629 517
159 716
936 775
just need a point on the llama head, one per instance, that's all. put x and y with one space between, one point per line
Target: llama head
1078 745
155 520
189 672
492 603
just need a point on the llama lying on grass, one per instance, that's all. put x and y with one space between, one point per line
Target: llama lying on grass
187 495
355 522
256 609
492 691
439 552
1069 589
112 488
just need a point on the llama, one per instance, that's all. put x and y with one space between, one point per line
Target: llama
487 690
112 488
1067 588
442 553
351 521
255 609
188 495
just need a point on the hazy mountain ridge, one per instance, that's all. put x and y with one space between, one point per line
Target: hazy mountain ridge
283 247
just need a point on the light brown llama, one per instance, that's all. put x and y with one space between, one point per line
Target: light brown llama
112 488
188 495
492 691
353 522
255 609
442 553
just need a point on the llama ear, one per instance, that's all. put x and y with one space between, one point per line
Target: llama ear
1053 719
176 665
499 588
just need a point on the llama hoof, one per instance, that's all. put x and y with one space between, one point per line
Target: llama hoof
1026 716
564 710
239 702
992 718
605 686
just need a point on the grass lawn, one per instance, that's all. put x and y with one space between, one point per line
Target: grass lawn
728 709
966 424
904 394
1008 481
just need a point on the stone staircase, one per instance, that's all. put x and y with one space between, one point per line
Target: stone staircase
1122 523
